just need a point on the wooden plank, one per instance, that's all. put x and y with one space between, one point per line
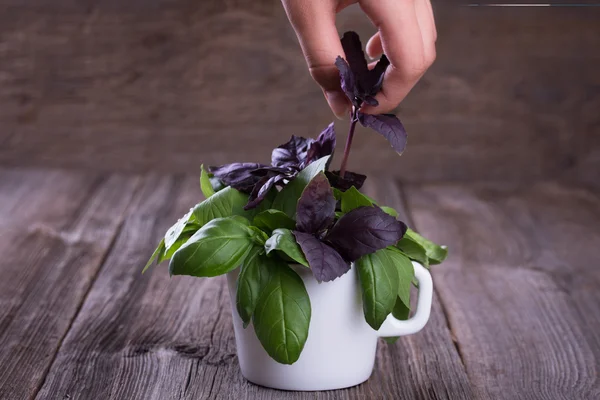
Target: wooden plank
521 284
56 227
151 337
158 85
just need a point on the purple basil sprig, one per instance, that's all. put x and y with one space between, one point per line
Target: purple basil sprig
330 246
286 161
361 85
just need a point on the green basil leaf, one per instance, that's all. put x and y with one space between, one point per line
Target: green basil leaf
406 273
260 237
224 203
435 253
401 311
187 233
390 211
205 185
271 219
253 277
157 253
282 315
283 240
173 232
352 199
337 193
379 281
287 199
413 250
217 248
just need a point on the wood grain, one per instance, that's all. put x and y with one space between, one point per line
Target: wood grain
520 286
166 85
56 228
151 337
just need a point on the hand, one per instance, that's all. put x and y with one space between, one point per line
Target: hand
406 34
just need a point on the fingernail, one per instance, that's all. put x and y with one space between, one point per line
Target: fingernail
338 104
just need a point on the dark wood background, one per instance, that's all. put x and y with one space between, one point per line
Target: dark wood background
165 85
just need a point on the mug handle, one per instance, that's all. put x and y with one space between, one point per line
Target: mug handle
395 327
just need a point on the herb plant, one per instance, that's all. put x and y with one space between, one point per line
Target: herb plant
262 218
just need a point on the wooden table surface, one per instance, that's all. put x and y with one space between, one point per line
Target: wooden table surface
516 312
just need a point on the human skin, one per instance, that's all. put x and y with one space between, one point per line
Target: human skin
405 33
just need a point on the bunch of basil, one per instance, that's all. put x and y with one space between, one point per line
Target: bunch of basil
308 222
262 218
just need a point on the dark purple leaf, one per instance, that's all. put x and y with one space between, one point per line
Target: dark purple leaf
292 153
375 78
355 57
323 146
326 263
389 126
260 191
358 82
346 78
316 206
350 179
364 230
238 175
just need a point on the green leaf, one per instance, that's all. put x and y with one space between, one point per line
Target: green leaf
413 250
379 281
283 240
390 211
183 238
217 248
352 199
401 311
287 199
435 253
337 193
224 203
260 237
173 232
254 275
282 315
406 273
205 185
159 250
271 219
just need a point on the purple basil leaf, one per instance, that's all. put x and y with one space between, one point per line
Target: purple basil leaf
364 230
346 78
316 206
260 191
292 153
350 179
238 175
375 78
323 146
326 263
355 58
389 126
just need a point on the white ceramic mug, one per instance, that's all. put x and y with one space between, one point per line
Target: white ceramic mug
341 346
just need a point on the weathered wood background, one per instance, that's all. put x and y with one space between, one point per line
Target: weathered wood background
165 85
107 109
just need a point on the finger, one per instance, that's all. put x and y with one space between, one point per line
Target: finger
314 23
427 26
402 42
431 15
374 47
